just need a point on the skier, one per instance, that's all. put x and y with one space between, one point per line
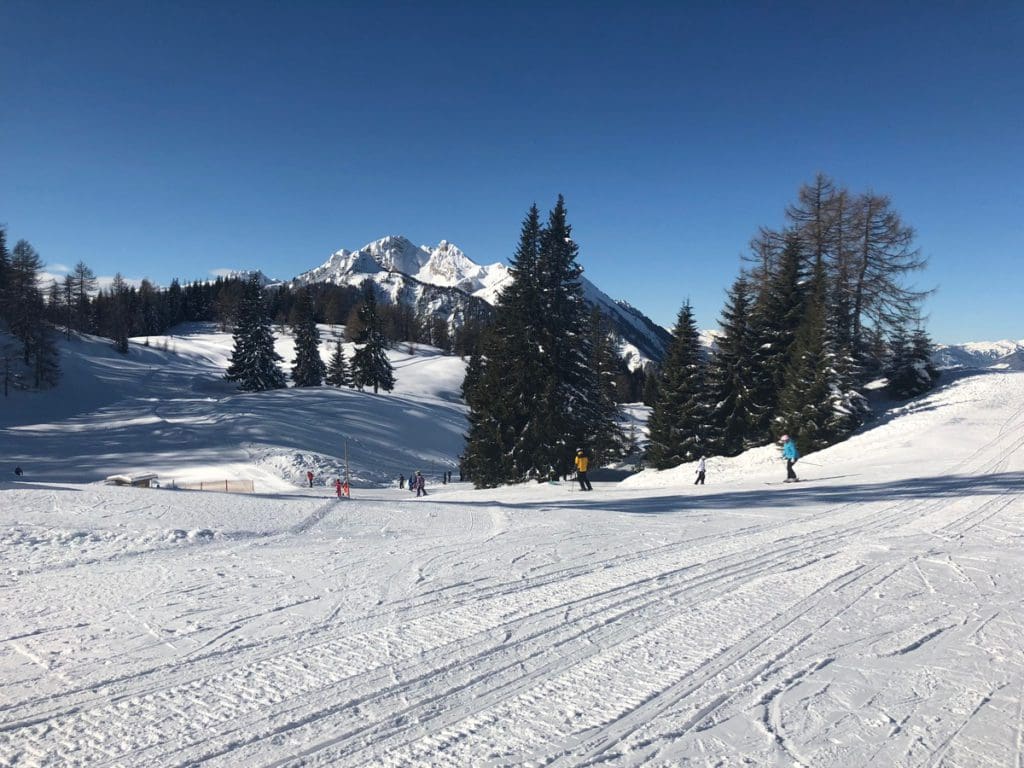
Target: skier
790 454
401 482
337 486
309 477
701 469
421 483
582 462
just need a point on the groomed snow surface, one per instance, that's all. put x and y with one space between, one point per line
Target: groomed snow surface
869 616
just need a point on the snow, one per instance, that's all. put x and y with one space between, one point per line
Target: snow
869 615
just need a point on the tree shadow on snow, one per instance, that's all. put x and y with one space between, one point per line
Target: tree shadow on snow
781 496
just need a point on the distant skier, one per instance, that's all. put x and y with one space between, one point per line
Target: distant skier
337 486
582 462
421 484
701 469
309 477
401 482
790 454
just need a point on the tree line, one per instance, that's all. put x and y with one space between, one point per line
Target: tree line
820 309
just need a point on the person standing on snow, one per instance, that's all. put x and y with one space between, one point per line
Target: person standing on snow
701 469
401 482
582 462
421 484
337 486
309 477
790 454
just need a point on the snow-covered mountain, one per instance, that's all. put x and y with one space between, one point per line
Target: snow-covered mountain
444 282
980 354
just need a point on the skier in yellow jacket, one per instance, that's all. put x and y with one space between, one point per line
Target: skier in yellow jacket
582 462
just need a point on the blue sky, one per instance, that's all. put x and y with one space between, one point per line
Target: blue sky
169 139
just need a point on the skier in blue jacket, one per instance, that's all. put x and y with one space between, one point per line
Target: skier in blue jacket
790 454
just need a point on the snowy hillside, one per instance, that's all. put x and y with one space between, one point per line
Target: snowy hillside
868 616
170 411
404 271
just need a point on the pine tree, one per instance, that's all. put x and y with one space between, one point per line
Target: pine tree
5 266
910 370
474 370
608 441
370 364
83 281
500 441
254 362
570 413
679 420
732 377
338 374
308 368
806 402
538 396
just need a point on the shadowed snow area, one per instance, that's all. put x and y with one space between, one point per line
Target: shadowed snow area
868 616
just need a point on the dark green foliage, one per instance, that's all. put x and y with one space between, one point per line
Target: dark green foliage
254 363
23 309
370 364
338 374
806 401
308 369
538 394
678 424
910 370
607 441
732 377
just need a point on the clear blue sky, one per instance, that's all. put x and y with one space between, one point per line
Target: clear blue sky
170 139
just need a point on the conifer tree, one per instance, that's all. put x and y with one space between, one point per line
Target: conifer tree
254 362
370 364
338 374
474 370
608 441
910 370
732 376
502 417
5 266
538 395
806 402
570 413
678 421
308 368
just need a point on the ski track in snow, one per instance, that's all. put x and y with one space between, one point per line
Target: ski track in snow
868 619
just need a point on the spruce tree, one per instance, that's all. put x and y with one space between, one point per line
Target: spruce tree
910 370
570 413
679 420
254 362
5 266
732 376
806 402
538 396
608 441
308 369
370 364
338 374
502 417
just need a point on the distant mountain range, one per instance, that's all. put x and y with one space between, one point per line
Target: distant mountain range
981 354
443 282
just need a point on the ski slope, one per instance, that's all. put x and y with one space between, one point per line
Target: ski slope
870 615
